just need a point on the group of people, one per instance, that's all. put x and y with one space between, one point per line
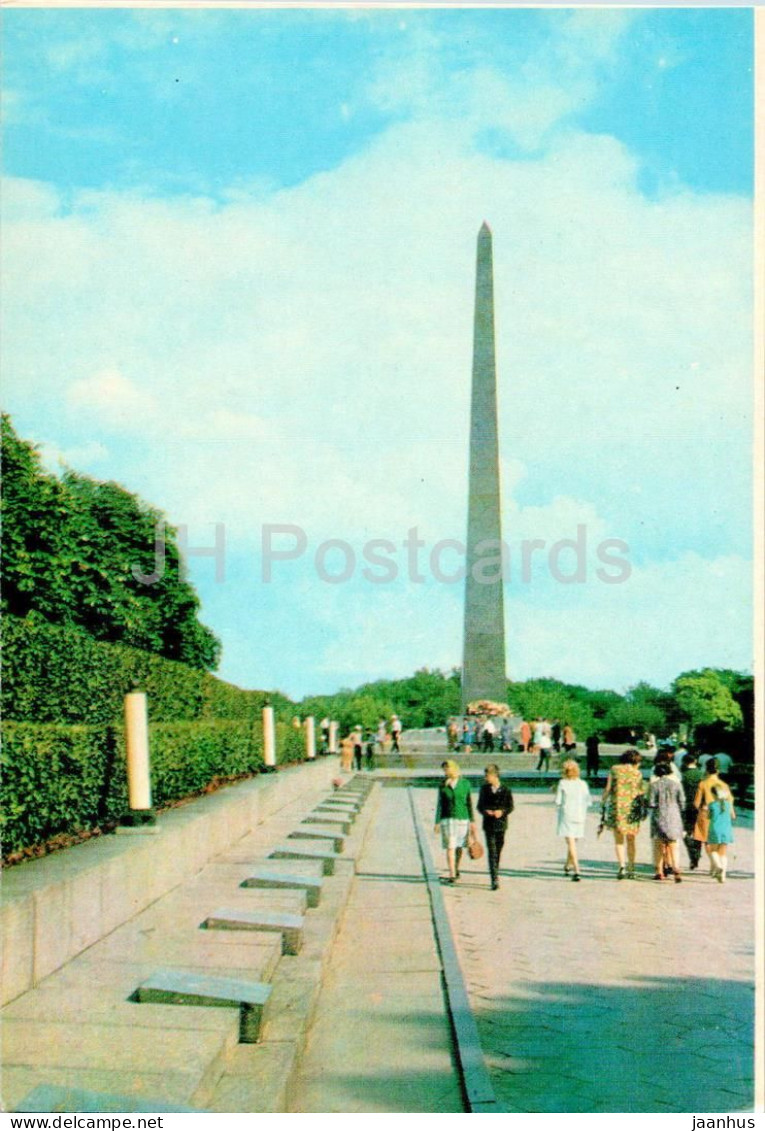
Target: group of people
480 733
686 803
360 746
540 736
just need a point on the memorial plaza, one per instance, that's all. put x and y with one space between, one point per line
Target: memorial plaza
597 996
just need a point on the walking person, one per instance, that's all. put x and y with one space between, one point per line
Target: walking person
395 730
592 746
495 802
666 801
346 752
525 735
569 739
555 735
692 776
369 750
623 811
572 800
703 799
721 817
454 816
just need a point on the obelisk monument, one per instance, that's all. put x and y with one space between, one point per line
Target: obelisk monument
484 673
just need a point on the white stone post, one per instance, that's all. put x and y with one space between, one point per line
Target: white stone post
310 737
333 737
269 737
137 742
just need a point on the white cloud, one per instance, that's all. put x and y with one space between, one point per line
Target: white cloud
114 400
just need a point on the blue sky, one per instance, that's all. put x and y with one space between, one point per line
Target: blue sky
239 258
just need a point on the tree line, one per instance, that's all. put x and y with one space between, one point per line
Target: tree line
712 706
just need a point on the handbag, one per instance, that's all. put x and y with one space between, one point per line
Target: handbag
475 848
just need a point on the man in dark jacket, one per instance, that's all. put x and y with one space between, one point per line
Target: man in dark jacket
495 802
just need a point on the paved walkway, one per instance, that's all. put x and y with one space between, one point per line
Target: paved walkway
607 996
381 1041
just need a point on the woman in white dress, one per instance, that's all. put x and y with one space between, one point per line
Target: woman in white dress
572 800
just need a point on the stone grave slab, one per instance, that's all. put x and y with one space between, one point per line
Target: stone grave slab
174 987
343 826
263 878
294 852
337 840
290 926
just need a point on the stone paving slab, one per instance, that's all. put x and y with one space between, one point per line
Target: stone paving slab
175 1087
607 995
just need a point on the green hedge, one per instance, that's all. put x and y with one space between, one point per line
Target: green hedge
68 779
61 675
63 760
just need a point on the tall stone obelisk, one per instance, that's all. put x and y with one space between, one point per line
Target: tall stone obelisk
484 674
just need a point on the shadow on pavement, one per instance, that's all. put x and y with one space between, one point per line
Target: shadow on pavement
660 1044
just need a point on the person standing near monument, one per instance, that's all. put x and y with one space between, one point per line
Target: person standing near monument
454 817
495 802
489 731
395 730
543 743
592 745
525 734
358 747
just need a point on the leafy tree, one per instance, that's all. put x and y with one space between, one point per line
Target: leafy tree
552 699
706 701
69 551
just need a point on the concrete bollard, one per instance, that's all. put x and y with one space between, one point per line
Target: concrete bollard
310 737
269 737
333 737
138 765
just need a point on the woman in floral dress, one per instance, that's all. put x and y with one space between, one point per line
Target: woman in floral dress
622 809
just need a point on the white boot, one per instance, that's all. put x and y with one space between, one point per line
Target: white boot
721 875
716 868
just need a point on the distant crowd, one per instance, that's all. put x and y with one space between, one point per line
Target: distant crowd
487 734
686 799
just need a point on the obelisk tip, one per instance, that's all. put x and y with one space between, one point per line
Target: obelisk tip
485 230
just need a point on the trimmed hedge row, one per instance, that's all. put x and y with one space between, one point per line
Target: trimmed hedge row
59 674
68 779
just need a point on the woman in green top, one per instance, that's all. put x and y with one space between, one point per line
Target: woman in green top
454 813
